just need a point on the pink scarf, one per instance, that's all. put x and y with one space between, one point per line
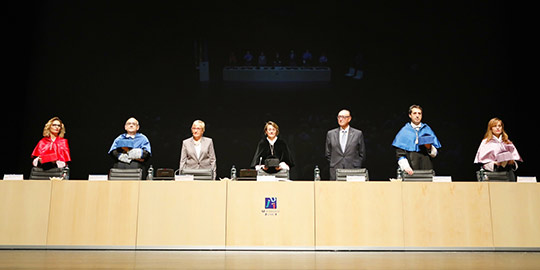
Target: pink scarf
496 151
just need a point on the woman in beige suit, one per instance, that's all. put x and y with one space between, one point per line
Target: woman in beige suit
198 151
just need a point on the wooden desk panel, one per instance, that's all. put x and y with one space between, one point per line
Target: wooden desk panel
182 214
92 213
290 225
516 214
24 212
358 215
446 215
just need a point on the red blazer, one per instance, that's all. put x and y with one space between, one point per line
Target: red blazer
50 151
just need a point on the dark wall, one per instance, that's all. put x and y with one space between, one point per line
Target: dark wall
96 64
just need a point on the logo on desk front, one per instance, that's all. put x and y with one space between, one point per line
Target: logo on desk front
270 203
270 206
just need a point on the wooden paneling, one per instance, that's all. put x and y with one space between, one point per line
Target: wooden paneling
24 212
516 214
446 215
96 213
358 214
234 215
250 224
182 214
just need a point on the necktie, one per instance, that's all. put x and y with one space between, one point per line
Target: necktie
343 140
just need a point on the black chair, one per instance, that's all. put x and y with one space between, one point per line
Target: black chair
125 174
341 174
199 174
504 176
40 174
417 176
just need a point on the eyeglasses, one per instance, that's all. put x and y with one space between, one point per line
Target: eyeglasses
56 125
343 116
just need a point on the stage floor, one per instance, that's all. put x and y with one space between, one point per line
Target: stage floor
73 259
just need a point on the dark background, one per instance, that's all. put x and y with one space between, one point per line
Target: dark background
95 64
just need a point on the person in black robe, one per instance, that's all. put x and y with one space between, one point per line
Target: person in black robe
272 150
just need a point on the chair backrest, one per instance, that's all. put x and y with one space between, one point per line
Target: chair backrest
125 174
198 174
281 174
495 176
40 174
418 175
341 174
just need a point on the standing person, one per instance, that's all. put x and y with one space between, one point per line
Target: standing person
198 151
131 150
345 148
496 152
416 144
52 151
272 154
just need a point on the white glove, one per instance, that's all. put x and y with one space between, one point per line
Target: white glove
35 162
124 158
135 153
284 166
60 164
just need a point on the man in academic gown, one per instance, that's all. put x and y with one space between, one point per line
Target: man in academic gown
345 146
416 144
131 150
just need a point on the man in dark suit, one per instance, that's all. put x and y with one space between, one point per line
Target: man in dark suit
345 146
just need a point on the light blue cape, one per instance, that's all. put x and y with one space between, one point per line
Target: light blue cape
406 138
140 141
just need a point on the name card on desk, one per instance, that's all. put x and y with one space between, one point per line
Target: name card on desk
98 177
442 179
184 177
526 179
267 178
356 178
13 177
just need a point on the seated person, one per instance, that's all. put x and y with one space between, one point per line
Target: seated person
131 150
198 151
496 152
272 149
52 151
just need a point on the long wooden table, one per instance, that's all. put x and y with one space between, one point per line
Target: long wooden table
269 215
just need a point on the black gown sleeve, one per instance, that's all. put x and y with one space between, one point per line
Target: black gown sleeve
258 154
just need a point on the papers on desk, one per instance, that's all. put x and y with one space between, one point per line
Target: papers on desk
184 177
98 177
356 178
267 178
13 177
526 179
442 179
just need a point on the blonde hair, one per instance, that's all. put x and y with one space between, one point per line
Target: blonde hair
489 134
47 128
201 123
270 123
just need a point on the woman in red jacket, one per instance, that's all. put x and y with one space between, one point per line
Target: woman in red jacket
52 151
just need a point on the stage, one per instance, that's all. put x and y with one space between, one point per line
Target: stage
77 259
